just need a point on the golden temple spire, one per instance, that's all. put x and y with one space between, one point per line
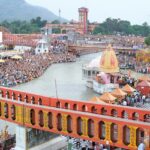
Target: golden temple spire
109 62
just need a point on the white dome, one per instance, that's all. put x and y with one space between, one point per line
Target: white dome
95 62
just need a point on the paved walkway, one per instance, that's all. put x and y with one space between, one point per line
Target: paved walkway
54 144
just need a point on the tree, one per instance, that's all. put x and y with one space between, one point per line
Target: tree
55 22
147 40
56 30
25 27
40 23
123 27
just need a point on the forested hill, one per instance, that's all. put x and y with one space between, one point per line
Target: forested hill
11 10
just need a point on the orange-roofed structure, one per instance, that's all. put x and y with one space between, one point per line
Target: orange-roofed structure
109 61
144 87
118 93
128 89
97 100
108 98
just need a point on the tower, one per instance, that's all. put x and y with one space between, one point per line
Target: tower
83 19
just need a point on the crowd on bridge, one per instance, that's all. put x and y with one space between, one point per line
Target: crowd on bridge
31 66
118 40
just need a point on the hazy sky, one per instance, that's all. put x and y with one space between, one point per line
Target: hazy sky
136 11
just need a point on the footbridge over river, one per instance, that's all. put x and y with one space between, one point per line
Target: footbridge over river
81 49
123 127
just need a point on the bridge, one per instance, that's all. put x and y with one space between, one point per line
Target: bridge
122 126
81 49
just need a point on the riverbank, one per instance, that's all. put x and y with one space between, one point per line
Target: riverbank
14 72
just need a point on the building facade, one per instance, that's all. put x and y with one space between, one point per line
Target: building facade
81 27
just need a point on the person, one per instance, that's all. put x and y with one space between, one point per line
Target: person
101 146
141 146
107 145
124 103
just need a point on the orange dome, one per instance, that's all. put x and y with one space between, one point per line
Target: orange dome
109 62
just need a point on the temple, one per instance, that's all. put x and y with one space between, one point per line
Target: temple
102 73
108 61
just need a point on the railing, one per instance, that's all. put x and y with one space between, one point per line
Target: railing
80 106
79 124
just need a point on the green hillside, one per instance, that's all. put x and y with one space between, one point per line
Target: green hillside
11 10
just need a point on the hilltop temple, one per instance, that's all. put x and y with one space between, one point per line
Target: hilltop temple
102 73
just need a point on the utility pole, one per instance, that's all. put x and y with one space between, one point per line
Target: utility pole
59 15
56 89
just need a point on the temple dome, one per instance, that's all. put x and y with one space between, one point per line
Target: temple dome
94 63
109 62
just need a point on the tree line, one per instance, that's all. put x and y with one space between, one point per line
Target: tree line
24 27
122 27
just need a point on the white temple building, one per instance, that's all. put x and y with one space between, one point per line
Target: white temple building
102 73
42 47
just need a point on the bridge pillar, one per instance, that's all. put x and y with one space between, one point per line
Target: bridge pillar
108 131
54 120
120 134
96 134
133 137
21 138
85 127
64 124
147 138
45 119
74 127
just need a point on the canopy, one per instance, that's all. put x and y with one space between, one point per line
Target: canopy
144 83
144 78
16 57
118 93
144 87
108 98
127 88
2 61
97 100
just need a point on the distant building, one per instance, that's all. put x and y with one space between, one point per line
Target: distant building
42 47
82 26
20 42
83 19
1 37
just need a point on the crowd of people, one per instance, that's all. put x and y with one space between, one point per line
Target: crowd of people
118 40
58 46
31 66
129 62
135 99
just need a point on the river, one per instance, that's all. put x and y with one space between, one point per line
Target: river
65 78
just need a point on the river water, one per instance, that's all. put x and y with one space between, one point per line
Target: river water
65 78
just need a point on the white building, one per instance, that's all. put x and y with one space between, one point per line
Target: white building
22 48
42 47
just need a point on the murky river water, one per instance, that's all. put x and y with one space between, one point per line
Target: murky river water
68 79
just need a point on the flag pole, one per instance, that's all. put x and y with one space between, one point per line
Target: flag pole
56 89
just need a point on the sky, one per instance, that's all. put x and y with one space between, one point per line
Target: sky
135 11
